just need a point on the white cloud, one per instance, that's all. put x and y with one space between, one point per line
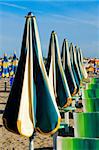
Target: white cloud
93 22
13 5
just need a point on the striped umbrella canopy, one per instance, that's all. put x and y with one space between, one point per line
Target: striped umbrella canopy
31 103
56 73
65 55
10 63
76 63
14 64
74 66
81 61
5 65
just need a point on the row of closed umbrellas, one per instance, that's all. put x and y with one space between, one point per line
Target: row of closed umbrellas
38 89
8 67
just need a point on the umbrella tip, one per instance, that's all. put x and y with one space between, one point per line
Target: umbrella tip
53 32
5 54
30 14
65 40
76 46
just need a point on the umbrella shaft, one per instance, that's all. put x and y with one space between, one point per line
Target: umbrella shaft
31 143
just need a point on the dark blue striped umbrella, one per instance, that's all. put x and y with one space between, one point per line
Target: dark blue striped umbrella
14 65
5 65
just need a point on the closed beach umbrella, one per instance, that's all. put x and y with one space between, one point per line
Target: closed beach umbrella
5 67
56 73
14 64
0 67
10 64
65 55
76 63
74 67
79 62
31 103
83 67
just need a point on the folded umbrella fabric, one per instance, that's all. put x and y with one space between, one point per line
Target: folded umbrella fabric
47 113
65 56
10 115
56 73
83 67
79 62
31 103
74 67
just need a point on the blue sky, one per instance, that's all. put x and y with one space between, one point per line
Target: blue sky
78 21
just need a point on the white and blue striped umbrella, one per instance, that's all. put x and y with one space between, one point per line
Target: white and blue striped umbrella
0 67
5 67
14 65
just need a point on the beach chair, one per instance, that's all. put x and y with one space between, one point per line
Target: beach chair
90 93
86 124
94 80
90 104
90 100
92 86
72 143
64 129
97 93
